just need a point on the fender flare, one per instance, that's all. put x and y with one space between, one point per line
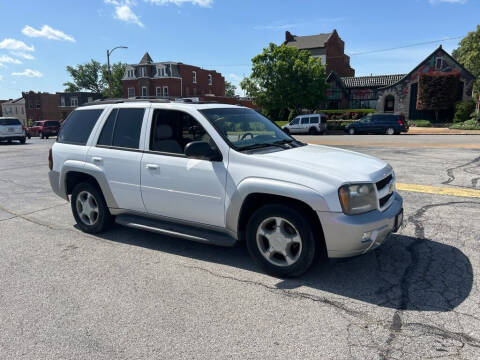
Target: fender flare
271 187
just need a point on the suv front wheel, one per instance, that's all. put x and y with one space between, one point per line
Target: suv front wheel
280 239
89 209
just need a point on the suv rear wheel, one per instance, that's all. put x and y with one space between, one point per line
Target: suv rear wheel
351 131
312 131
89 209
390 131
280 239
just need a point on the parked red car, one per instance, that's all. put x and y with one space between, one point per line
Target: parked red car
44 128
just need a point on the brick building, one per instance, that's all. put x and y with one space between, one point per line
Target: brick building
329 47
68 101
170 79
397 93
41 106
14 108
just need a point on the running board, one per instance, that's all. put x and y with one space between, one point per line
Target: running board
176 230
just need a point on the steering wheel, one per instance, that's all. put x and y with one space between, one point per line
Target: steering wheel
245 135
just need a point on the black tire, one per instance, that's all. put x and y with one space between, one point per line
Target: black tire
302 226
103 220
23 140
42 136
286 131
312 131
46 136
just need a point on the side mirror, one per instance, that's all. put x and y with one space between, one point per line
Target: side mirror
203 151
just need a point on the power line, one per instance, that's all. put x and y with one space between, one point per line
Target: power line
359 53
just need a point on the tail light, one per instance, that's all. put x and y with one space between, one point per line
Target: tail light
23 128
50 159
400 122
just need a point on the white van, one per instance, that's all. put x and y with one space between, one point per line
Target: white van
307 124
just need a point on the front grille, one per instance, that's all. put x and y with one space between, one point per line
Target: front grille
384 182
385 199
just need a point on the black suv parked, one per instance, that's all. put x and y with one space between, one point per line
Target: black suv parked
389 124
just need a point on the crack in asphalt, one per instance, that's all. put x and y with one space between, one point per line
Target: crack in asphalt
451 175
397 325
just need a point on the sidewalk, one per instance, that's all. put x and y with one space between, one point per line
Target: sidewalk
440 131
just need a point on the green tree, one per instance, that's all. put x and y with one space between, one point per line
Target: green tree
93 76
230 89
285 80
118 71
468 54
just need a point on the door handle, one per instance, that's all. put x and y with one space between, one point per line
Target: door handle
151 166
96 159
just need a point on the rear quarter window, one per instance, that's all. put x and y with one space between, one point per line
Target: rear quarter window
9 122
77 127
52 123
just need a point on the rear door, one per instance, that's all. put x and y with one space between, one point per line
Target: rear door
11 127
315 122
304 124
118 153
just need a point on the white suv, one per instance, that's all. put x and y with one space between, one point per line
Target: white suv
307 124
12 129
221 174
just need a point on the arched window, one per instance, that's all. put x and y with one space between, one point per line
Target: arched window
389 103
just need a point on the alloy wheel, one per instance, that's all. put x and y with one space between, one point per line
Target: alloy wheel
87 208
279 241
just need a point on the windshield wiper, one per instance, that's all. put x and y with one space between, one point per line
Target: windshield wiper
261 145
289 142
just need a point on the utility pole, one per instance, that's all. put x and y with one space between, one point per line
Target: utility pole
109 52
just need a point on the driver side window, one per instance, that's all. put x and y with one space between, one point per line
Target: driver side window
295 121
172 130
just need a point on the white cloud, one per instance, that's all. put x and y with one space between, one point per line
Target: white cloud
12 44
28 73
448 1
124 12
202 3
9 60
1 77
235 77
47 32
23 55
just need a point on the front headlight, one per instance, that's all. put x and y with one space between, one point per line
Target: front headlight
357 198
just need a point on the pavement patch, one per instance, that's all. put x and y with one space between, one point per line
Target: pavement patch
439 190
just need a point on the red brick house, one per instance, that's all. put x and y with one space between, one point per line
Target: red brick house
170 79
41 106
329 47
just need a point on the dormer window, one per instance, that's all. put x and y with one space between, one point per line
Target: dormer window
160 71
194 77
142 72
210 81
130 73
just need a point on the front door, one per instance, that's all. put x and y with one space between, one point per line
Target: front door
117 154
175 186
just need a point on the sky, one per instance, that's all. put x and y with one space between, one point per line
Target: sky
39 38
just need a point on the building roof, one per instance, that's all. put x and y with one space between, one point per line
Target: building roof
371 81
146 59
308 42
15 101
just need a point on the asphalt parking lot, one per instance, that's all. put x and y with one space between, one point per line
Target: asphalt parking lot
129 294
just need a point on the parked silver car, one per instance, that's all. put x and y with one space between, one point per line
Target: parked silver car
307 124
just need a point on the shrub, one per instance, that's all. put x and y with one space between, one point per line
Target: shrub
471 124
420 123
463 110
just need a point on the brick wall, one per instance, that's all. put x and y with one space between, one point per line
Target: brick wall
336 59
41 106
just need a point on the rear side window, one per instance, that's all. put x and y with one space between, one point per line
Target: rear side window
52 123
9 122
77 127
314 120
122 129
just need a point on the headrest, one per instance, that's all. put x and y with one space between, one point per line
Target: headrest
163 132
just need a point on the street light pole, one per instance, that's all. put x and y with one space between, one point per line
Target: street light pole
109 52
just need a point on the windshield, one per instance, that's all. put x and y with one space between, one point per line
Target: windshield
9 122
245 128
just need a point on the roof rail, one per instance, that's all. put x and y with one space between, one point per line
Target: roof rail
151 99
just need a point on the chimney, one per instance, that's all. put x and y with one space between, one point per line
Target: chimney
288 36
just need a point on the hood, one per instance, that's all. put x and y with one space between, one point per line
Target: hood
329 164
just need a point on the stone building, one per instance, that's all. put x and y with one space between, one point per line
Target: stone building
397 93
329 48
170 79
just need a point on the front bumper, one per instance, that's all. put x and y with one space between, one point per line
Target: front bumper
351 235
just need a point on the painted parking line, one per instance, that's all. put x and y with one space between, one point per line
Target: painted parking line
439 190
394 144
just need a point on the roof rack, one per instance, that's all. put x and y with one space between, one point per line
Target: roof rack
151 99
